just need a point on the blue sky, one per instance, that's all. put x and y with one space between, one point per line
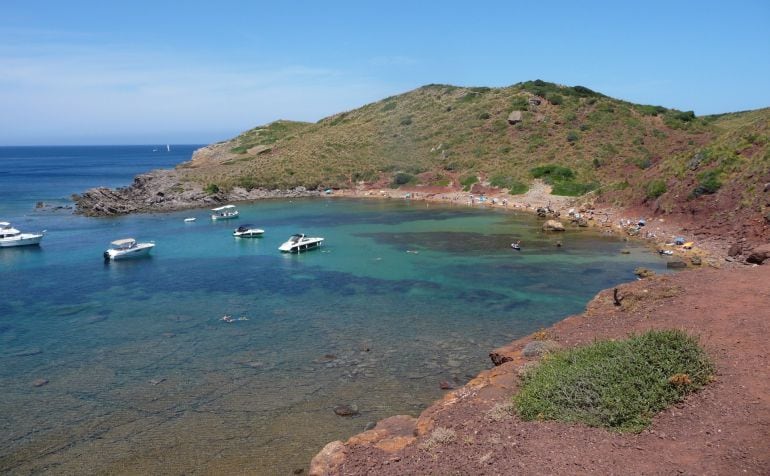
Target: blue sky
138 72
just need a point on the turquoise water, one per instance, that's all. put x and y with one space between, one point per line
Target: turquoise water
144 377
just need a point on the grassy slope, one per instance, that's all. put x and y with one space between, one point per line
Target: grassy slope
443 134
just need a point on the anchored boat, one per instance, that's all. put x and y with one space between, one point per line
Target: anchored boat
248 231
10 236
299 242
127 248
224 212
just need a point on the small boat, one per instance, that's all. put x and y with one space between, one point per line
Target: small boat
224 212
189 220
666 252
300 242
248 231
168 148
127 248
516 245
10 236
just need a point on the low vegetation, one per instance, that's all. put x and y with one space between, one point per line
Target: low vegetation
615 384
576 139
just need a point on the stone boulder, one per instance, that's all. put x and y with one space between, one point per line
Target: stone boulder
553 225
514 117
759 254
735 250
644 272
676 264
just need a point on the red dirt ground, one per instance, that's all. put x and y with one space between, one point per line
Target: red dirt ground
723 429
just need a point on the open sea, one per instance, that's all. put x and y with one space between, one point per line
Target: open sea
145 378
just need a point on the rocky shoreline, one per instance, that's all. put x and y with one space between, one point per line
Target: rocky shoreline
164 191
722 429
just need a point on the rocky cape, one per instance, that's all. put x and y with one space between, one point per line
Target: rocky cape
164 191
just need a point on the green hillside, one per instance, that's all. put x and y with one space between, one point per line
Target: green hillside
441 135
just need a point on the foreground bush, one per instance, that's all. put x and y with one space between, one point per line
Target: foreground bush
615 384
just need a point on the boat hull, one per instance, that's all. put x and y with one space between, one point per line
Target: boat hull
140 251
225 217
249 234
24 240
300 247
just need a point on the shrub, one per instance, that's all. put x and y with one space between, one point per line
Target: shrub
709 182
402 178
484 116
552 173
468 181
584 92
615 384
572 189
572 136
514 186
389 106
647 110
555 99
655 189
519 103
211 188
406 120
643 162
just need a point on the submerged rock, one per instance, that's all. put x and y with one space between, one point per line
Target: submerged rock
40 382
644 272
553 225
346 410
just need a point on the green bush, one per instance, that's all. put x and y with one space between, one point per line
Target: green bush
615 384
655 189
709 182
572 189
406 120
402 178
514 186
552 173
484 116
572 136
519 103
643 162
468 181
647 110
211 188
389 106
555 99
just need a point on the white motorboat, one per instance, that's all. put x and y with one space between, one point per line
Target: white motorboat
248 231
224 212
127 248
10 236
189 220
300 242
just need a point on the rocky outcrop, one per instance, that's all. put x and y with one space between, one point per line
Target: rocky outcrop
553 225
165 190
759 254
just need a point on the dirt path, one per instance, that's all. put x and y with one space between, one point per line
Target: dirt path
724 429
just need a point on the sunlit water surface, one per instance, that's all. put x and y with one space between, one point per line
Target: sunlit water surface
145 377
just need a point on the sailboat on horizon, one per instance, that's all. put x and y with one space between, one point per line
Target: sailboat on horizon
168 148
